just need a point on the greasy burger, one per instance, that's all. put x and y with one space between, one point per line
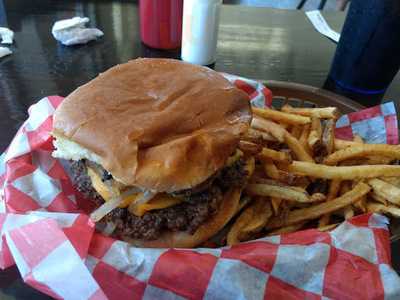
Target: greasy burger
154 143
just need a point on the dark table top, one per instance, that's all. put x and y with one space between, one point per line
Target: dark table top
257 42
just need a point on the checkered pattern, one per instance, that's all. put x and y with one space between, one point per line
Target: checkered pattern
43 259
259 95
29 165
315 265
376 125
56 251
78 228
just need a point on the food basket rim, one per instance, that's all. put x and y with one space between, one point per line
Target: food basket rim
318 96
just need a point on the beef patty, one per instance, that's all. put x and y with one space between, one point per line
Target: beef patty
199 204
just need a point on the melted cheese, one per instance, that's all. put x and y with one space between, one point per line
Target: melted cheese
100 186
105 191
160 201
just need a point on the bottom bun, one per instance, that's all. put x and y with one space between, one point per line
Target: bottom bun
180 239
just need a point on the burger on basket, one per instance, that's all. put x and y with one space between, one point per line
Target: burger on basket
154 143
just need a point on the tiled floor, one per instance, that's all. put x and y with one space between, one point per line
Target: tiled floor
285 4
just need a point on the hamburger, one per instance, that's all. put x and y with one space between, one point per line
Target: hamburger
154 143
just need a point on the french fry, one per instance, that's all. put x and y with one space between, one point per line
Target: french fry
392 180
252 136
378 198
279 183
279 116
244 200
274 129
276 202
379 160
328 227
276 182
249 167
358 139
323 113
342 173
249 148
354 162
363 177
287 229
328 136
304 135
317 197
314 139
258 134
315 211
275 155
299 151
250 221
244 218
361 205
283 192
373 160
296 131
348 212
380 208
333 191
386 190
262 212
342 144
270 169
364 150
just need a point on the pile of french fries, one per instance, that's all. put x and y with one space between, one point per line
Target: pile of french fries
304 177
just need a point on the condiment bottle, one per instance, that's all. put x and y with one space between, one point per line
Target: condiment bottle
200 31
161 23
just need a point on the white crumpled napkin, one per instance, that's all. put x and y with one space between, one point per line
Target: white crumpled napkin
72 31
4 51
7 35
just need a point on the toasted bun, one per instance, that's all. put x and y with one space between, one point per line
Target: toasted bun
159 124
228 208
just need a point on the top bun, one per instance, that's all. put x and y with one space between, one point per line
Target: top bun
159 124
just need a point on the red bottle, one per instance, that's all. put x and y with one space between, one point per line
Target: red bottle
161 23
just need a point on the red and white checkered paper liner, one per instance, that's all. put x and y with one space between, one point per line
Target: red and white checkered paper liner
377 125
45 233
